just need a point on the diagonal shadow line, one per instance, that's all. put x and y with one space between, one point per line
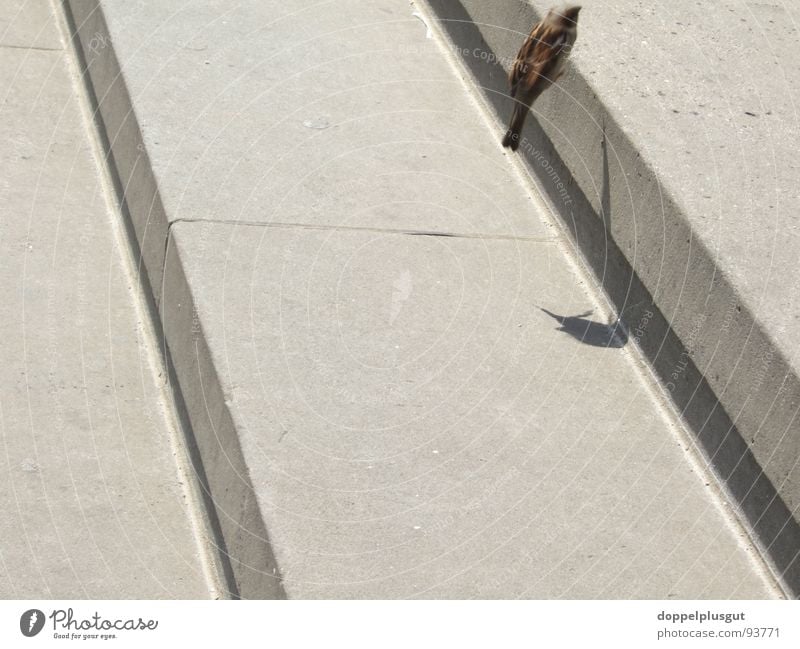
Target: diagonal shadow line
605 196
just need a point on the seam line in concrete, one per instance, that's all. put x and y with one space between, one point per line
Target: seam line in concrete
346 228
31 47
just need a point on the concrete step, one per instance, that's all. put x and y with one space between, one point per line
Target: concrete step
675 134
95 495
400 382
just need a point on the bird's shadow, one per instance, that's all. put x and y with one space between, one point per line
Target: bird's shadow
589 332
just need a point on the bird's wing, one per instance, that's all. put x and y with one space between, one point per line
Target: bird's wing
538 55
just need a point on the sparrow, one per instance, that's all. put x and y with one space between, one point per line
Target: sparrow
539 64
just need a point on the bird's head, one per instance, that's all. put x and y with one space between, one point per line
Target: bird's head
568 14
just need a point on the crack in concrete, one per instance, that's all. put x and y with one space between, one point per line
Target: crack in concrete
355 228
31 47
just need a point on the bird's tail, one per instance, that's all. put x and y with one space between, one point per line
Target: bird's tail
511 140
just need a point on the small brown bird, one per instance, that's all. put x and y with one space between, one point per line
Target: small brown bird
539 64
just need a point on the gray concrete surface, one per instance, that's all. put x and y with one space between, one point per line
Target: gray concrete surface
414 426
675 132
350 295
91 489
28 24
